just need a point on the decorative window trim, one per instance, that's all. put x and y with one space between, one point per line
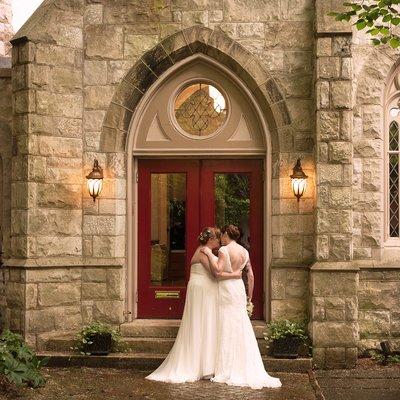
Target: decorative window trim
183 86
392 151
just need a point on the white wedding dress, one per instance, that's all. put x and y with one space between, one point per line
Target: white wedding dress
193 355
238 360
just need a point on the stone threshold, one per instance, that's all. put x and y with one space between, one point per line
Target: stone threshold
148 362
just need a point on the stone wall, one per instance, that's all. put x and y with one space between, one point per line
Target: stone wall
69 64
43 302
5 167
379 308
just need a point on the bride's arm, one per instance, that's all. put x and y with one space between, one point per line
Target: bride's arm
229 275
250 280
216 265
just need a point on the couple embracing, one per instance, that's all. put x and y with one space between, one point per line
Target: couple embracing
215 338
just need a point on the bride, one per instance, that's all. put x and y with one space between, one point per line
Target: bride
193 355
238 359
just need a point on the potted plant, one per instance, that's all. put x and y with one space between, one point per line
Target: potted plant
98 339
286 337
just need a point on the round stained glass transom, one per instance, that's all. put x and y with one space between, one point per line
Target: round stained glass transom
200 109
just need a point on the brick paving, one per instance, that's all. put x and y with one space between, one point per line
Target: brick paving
115 384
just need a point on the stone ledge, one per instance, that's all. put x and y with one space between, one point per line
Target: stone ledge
346 266
147 362
63 262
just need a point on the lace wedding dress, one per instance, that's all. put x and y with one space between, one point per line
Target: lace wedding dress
193 355
238 360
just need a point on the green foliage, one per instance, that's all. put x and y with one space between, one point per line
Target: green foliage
232 198
18 362
380 358
284 328
86 333
378 17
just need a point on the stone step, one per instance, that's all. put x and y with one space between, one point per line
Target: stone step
164 345
161 328
149 362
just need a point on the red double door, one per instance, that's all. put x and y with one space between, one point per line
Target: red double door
176 200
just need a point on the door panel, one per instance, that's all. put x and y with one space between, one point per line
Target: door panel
176 200
167 226
232 194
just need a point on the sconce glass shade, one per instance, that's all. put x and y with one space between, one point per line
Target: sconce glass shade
95 180
299 180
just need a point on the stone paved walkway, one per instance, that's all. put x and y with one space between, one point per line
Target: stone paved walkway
366 384
115 384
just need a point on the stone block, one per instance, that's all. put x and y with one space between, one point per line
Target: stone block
31 295
324 46
329 174
39 321
342 94
59 196
108 311
65 78
328 67
379 295
50 246
334 283
57 294
54 55
374 323
105 42
94 291
63 105
341 197
115 284
340 247
98 97
67 318
93 14
334 334
136 45
322 93
93 120
59 147
335 357
328 125
95 72
90 274
340 152
55 222
99 225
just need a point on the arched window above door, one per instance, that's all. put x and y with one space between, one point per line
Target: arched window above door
198 107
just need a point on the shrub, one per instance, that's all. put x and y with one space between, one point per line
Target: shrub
86 333
284 328
18 363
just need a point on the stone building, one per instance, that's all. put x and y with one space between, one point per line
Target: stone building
197 111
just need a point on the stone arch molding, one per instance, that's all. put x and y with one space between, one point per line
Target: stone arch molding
175 48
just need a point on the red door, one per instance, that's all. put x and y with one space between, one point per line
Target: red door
177 198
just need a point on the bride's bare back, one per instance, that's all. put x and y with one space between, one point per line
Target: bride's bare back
238 255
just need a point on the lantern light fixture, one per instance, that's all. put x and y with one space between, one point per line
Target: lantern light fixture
95 180
299 180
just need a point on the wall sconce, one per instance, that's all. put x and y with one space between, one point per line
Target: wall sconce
299 180
95 180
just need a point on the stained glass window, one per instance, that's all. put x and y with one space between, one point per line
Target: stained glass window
393 179
200 109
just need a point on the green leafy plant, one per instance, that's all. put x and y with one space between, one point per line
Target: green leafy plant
381 359
18 363
378 17
286 328
85 335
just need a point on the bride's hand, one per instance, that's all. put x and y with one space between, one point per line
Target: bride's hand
237 274
206 251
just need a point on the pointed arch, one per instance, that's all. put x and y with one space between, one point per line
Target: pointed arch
172 50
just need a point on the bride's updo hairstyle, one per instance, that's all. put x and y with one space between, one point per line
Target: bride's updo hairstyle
209 233
232 231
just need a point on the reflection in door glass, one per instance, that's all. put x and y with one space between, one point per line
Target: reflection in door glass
168 215
232 203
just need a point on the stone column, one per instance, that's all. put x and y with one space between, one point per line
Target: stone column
6 30
333 286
